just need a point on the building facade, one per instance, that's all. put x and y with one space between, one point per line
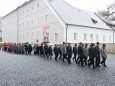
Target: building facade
54 21
0 29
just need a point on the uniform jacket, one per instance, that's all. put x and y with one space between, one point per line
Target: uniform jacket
75 50
97 51
92 52
69 50
103 53
64 49
80 51
85 51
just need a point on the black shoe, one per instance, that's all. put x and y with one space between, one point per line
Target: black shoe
94 68
105 66
99 66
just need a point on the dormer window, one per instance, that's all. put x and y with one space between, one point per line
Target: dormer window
94 21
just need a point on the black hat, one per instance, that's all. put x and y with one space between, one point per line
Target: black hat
93 44
104 45
80 43
75 44
98 43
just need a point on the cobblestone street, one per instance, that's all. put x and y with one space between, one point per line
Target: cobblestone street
25 70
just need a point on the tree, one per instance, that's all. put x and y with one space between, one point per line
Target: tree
109 13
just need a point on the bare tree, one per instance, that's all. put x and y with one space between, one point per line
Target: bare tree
109 13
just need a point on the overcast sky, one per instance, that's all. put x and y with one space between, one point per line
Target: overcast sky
7 6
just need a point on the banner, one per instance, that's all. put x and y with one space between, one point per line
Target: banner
46 34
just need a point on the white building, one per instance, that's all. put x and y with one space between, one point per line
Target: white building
54 21
0 29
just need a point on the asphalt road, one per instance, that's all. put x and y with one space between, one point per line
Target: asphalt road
25 70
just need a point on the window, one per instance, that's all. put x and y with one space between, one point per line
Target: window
23 24
23 35
38 20
32 34
32 8
32 22
94 21
109 38
46 17
23 12
37 34
91 37
104 38
97 37
27 23
27 10
20 26
85 37
75 36
38 5
27 34
56 36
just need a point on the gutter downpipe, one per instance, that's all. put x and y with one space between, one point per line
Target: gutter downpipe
110 27
62 20
66 33
17 25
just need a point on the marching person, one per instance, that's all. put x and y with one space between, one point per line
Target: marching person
29 49
85 50
56 52
92 54
26 48
97 52
50 53
75 52
80 54
69 53
35 50
64 51
89 53
60 52
103 54
46 50
41 50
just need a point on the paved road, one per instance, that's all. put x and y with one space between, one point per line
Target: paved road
23 70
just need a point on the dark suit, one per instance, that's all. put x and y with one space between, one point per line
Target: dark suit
75 51
92 55
56 52
97 53
69 53
80 55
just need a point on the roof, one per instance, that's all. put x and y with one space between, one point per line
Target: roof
26 2
76 16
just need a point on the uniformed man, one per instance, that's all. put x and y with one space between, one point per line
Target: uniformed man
64 51
41 50
75 52
89 53
56 52
50 53
97 52
46 50
103 55
69 53
85 50
92 54
80 54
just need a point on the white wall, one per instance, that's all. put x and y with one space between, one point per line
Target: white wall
32 15
9 27
80 34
